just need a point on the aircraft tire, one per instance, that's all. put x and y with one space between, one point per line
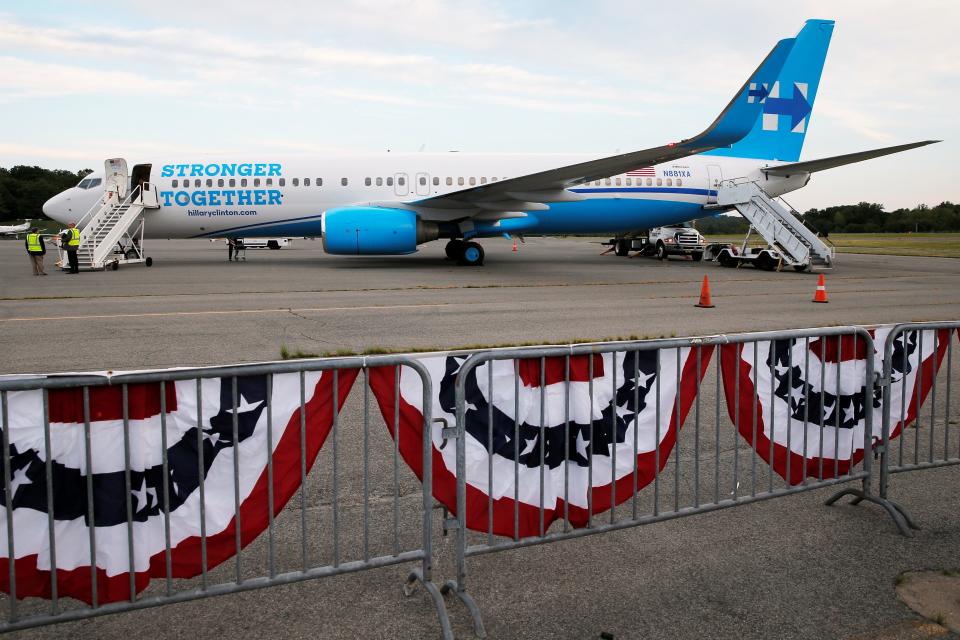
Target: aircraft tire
454 249
472 255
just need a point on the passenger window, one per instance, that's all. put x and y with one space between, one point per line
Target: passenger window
629 181
343 182
473 181
306 182
606 181
296 182
617 182
220 182
423 181
209 182
449 181
460 181
233 182
379 182
269 182
174 184
669 182
401 181
436 181
197 183
483 181
282 182
256 182
389 182
243 182
659 182
679 182
319 182
649 181
367 182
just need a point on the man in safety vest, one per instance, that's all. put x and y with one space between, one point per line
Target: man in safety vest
36 249
70 239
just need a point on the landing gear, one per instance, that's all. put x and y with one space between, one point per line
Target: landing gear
472 255
454 249
468 254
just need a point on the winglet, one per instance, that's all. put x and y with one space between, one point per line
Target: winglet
739 116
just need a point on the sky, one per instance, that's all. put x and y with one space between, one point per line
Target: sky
81 82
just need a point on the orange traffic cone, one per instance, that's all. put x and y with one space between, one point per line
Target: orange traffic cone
821 294
705 302
514 245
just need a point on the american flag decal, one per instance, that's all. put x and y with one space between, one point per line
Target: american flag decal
642 172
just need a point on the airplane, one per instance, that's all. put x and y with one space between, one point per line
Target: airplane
14 230
390 203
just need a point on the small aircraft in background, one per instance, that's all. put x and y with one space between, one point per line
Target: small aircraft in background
15 229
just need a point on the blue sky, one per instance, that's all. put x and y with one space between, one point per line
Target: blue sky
80 82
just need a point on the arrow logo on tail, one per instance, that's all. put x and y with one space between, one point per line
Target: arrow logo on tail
796 107
760 92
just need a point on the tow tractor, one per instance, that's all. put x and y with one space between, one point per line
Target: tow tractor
662 242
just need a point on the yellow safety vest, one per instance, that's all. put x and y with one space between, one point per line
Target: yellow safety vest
33 243
74 238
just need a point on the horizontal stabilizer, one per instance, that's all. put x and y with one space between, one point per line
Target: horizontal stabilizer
838 161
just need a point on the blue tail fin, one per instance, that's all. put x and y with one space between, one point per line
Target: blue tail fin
787 104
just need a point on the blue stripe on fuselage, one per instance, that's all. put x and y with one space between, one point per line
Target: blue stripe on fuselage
680 190
600 215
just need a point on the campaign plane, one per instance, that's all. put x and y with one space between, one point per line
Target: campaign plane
389 203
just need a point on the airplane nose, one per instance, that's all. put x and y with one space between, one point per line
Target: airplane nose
53 208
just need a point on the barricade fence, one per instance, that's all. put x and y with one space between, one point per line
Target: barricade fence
140 489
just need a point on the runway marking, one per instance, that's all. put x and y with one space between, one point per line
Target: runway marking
167 314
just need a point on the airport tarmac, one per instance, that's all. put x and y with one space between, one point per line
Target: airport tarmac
787 568
195 308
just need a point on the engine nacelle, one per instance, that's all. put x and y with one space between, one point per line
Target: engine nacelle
367 231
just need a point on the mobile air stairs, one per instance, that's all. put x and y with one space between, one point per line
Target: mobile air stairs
790 243
112 230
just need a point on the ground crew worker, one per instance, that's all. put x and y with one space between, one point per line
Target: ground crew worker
36 249
71 238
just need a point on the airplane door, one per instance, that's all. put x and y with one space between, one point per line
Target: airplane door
423 184
400 186
714 179
116 177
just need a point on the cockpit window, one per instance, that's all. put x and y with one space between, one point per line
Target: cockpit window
89 183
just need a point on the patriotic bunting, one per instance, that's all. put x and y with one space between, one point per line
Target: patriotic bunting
594 436
28 473
809 399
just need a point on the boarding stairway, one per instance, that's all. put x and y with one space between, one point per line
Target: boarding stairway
778 223
112 231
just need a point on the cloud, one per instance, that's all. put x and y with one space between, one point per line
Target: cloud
31 79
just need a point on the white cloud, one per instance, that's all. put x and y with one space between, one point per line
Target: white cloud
30 79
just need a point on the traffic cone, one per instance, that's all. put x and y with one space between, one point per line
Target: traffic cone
514 245
821 294
705 302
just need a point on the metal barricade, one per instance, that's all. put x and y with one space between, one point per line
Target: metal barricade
249 434
918 362
689 471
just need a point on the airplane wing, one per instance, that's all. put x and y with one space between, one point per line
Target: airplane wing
809 166
530 192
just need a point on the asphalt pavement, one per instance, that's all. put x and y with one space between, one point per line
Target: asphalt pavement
785 568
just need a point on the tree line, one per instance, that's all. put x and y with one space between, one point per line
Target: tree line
24 189
865 217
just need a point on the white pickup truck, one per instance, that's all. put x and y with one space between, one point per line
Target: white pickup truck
662 242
